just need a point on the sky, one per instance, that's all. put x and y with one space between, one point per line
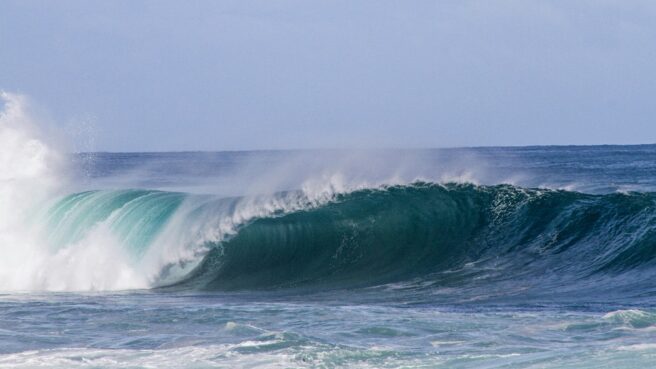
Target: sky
131 75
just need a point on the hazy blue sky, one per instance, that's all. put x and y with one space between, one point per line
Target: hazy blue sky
214 75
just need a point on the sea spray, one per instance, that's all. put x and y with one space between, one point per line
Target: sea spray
104 240
53 239
338 225
32 172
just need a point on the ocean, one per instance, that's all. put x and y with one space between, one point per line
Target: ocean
506 257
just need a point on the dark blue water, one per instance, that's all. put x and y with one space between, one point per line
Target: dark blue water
528 257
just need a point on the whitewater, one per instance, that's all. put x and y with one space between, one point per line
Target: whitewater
508 257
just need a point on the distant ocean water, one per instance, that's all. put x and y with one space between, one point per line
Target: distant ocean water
517 257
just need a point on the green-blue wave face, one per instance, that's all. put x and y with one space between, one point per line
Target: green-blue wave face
134 217
455 235
459 236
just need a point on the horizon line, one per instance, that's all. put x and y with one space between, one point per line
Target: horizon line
362 149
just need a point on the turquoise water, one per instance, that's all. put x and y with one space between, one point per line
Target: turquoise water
538 257
210 330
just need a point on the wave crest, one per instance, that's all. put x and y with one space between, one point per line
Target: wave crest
448 235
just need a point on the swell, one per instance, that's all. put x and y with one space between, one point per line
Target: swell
449 235
422 234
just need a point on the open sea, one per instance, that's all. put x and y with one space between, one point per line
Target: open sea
508 257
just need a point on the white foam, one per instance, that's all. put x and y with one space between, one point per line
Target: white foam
32 170
638 347
184 357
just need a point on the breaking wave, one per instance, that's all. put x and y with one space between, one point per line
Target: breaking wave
424 233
